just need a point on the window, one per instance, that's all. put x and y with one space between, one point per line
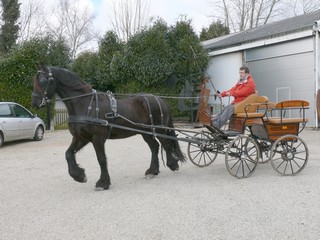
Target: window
5 110
20 111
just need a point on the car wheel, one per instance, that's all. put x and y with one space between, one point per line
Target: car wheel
1 139
38 135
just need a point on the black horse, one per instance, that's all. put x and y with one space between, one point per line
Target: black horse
95 117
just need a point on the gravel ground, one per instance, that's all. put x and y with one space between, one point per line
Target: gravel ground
40 201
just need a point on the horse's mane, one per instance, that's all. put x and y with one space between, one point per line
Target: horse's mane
70 79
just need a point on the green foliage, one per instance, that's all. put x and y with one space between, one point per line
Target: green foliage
146 59
10 27
158 60
18 68
190 59
85 66
94 67
109 46
215 29
157 54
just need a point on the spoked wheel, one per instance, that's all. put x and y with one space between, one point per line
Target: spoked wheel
242 156
204 152
289 155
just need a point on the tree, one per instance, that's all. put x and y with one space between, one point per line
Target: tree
170 55
85 65
139 68
94 67
190 58
73 23
239 15
31 20
302 6
18 68
129 17
9 27
109 46
215 29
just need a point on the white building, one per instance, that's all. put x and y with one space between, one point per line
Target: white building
283 58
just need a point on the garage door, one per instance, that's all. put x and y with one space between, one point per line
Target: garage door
285 71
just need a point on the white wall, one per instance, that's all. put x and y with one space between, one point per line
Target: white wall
285 71
224 73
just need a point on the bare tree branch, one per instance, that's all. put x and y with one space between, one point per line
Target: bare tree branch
73 23
31 20
244 14
129 17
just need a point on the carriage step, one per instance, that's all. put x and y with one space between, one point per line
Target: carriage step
223 133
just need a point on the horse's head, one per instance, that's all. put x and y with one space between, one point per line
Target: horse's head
44 87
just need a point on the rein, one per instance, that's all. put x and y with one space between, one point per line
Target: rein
79 96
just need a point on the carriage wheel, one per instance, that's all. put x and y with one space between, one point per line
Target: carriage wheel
289 155
204 152
242 156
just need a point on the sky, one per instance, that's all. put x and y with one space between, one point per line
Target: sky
198 11
169 10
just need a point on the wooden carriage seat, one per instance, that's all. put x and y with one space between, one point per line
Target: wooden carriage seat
246 112
287 105
249 106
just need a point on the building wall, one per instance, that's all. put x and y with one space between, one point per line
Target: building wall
224 73
285 71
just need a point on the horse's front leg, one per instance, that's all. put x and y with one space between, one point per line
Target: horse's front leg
104 180
154 147
77 173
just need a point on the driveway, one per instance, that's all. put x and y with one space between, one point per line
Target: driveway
40 201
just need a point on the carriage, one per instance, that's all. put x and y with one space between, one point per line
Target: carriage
259 131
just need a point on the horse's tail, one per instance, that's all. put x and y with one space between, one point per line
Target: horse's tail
172 147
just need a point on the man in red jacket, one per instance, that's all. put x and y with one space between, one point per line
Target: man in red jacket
244 87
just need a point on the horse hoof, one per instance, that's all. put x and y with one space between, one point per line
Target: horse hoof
149 176
174 168
85 179
102 185
81 179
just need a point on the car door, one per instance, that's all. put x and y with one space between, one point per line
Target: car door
9 124
25 121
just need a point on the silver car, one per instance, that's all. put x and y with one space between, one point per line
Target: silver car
16 123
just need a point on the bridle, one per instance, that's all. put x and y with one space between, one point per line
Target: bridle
44 81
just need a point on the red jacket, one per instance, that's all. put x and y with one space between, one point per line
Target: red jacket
241 90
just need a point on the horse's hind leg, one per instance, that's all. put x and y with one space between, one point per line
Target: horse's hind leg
77 173
154 147
104 180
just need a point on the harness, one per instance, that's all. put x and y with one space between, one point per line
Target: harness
96 120
94 97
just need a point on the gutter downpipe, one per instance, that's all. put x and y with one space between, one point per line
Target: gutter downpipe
316 62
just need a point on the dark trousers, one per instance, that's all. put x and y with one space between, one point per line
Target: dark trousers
220 119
